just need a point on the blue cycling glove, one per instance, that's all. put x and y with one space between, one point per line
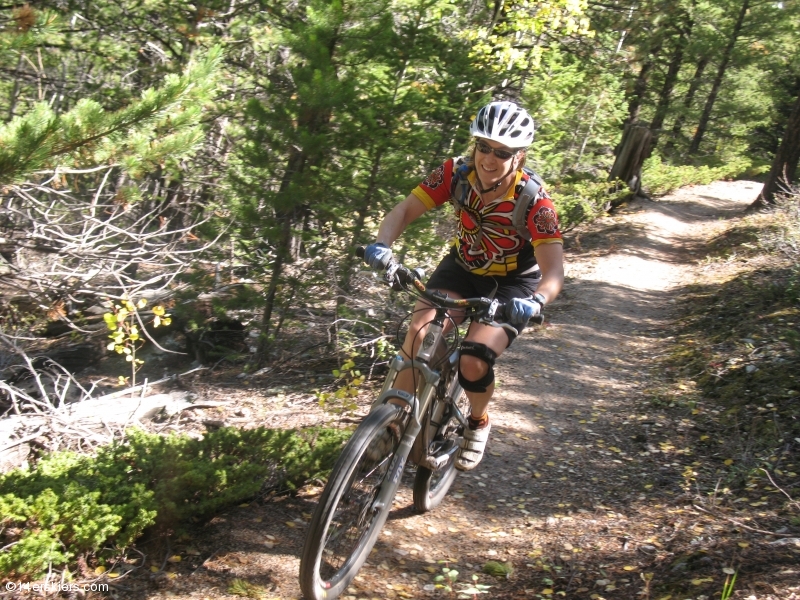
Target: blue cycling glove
521 310
377 256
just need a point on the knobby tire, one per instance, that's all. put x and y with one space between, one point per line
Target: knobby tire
344 526
431 487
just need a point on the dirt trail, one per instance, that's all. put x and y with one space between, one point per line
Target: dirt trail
577 490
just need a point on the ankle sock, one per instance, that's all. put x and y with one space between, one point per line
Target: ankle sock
479 423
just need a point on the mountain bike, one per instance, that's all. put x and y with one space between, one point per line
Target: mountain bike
424 428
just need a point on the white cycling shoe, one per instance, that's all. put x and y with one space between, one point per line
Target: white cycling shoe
472 447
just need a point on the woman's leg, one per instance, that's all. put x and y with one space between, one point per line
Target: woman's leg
422 316
486 343
483 345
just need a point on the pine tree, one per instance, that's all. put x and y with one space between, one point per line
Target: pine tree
290 133
162 124
733 37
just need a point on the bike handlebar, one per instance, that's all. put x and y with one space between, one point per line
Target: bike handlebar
394 272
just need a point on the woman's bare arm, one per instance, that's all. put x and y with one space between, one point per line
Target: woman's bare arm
396 220
551 261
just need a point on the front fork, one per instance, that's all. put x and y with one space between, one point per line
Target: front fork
415 406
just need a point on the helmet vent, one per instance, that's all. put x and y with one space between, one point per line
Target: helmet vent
504 122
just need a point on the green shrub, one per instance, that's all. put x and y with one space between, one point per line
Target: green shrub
70 505
583 200
660 178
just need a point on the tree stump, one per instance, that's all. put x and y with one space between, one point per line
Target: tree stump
633 149
783 174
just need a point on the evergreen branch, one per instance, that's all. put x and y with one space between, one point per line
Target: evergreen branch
58 170
29 142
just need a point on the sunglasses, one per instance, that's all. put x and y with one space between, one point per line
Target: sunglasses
485 148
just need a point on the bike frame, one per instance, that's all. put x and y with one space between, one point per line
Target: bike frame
417 405
429 422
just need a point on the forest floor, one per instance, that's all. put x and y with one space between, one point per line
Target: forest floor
591 485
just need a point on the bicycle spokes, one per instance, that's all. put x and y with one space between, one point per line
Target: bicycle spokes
357 508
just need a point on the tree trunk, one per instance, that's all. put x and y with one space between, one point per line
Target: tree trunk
639 88
723 66
295 165
671 78
12 105
636 98
634 148
298 161
783 173
687 103
362 210
281 258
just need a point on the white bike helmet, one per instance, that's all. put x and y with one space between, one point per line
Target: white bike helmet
505 123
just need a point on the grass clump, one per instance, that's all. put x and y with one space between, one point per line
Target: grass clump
739 341
245 589
70 505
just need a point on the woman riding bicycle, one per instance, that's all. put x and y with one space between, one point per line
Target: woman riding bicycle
490 257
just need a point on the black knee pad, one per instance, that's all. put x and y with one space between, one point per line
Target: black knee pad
481 351
487 355
477 386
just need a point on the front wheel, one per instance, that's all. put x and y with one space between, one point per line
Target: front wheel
346 522
431 486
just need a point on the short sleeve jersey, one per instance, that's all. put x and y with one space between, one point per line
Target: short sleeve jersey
487 244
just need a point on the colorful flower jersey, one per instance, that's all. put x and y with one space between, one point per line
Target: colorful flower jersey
487 243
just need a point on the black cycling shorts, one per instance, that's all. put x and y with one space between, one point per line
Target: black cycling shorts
450 276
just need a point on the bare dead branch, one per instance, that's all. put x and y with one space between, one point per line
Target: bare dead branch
740 524
792 501
86 240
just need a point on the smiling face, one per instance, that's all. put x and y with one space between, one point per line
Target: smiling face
489 167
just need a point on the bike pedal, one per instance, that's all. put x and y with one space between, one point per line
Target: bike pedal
435 463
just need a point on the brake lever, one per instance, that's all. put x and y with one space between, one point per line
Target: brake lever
491 311
488 318
389 273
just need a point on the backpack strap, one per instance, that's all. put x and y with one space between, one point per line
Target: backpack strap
459 194
460 185
525 200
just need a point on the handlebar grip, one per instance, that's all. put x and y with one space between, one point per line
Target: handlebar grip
536 320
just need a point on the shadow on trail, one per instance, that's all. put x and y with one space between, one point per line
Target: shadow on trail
589 483
593 475
653 243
